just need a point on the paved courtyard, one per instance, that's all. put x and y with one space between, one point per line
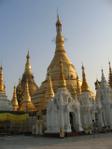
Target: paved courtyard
99 141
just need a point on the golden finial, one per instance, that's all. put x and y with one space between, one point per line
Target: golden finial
14 100
62 82
28 65
2 86
58 23
49 90
84 86
78 86
59 37
28 55
110 75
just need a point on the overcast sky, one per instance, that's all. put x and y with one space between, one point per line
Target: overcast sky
30 24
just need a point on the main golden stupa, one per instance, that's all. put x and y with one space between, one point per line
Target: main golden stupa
71 77
26 77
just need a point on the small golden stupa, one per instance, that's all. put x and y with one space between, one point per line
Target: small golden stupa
14 101
2 86
84 86
26 104
69 71
27 76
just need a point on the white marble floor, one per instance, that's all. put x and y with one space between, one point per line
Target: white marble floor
99 141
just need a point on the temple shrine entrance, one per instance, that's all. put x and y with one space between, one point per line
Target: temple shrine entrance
72 121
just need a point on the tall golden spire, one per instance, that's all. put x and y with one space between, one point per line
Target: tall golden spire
59 37
26 104
14 100
84 86
110 75
49 90
62 82
2 86
28 65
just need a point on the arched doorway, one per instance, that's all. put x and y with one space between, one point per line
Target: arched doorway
71 115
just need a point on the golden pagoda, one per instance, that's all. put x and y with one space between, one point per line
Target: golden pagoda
2 86
26 104
110 75
27 76
84 86
69 71
14 101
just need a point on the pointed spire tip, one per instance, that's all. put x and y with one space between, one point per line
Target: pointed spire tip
28 54
82 66
102 71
